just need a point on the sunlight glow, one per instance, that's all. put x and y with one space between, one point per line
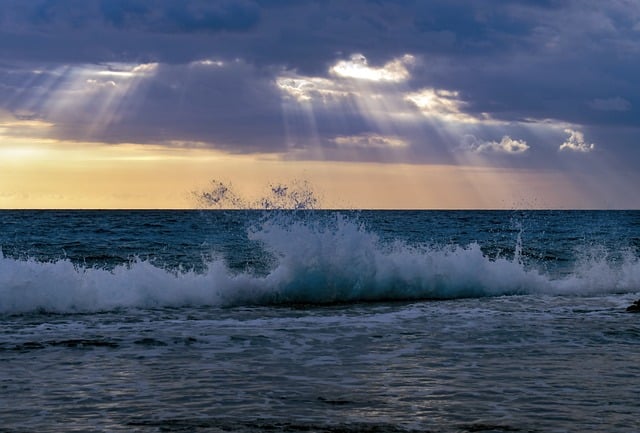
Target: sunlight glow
87 98
47 173
357 67
208 62
443 104
128 71
388 107
20 154
370 141
10 126
308 88
26 123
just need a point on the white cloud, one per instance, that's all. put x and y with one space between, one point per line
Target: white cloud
575 142
124 70
98 83
370 141
442 104
209 63
357 67
506 145
308 88
366 87
610 104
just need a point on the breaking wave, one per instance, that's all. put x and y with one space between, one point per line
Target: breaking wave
313 262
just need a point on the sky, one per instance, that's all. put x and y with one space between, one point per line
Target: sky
440 104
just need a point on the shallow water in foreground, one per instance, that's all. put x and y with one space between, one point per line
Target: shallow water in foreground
519 363
529 331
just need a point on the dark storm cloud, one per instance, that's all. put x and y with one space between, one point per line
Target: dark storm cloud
180 106
178 16
76 31
159 16
518 62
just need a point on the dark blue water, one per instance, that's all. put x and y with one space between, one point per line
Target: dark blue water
187 239
319 321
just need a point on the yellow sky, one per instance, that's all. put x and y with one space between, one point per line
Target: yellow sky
39 171
43 173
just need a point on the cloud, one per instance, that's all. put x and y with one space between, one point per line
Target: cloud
207 102
610 104
357 67
302 88
21 125
270 75
506 145
446 105
576 143
160 16
370 141
342 79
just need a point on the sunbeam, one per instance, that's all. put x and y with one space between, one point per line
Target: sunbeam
109 94
85 99
386 121
485 97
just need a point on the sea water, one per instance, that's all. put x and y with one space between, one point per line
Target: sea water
319 321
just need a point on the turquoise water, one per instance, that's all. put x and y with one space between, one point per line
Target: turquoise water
250 321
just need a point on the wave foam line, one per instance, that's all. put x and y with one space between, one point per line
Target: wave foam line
315 263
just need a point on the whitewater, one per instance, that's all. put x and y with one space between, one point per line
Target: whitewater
315 320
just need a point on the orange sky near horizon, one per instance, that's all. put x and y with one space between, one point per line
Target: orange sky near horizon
51 174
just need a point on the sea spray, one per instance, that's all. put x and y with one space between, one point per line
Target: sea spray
339 260
315 257
295 195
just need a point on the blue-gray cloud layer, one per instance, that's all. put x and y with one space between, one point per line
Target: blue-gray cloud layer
571 63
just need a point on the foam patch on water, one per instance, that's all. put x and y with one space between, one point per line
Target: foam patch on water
313 262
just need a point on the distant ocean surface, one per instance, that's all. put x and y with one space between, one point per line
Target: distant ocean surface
319 321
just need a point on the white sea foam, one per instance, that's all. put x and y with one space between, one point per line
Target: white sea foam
314 263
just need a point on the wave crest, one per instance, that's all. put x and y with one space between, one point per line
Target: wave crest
314 261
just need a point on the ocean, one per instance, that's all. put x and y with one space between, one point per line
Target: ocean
319 321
